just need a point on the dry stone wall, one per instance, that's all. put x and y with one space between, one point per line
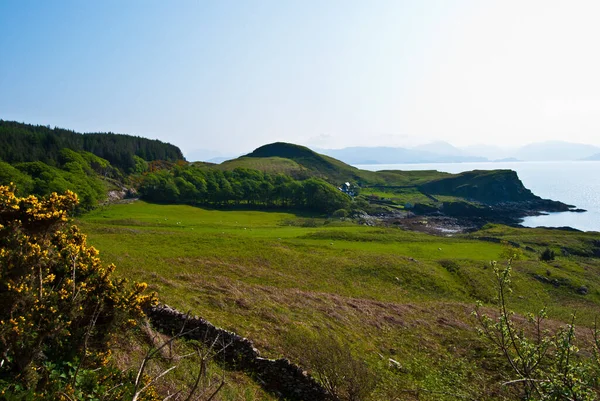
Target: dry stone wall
278 376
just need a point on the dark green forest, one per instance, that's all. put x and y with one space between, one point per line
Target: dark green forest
21 142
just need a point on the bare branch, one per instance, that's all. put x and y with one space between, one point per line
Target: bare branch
138 393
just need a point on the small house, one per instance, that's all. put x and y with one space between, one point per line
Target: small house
348 188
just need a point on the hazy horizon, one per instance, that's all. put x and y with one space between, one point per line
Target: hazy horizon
231 76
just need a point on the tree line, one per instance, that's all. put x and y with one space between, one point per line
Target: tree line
194 185
28 143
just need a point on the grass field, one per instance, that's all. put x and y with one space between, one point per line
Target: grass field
278 277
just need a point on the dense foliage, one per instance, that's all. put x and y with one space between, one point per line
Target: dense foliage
60 305
80 172
28 143
196 186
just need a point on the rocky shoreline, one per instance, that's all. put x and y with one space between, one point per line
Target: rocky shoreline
461 217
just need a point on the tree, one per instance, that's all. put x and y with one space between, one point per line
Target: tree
187 191
323 197
160 187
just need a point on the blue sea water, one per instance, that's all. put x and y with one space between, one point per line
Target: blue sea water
575 183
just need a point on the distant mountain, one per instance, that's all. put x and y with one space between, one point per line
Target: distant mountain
443 152
507 160
441 148
218 160
207 155
595 157
491 152
555 150
389 155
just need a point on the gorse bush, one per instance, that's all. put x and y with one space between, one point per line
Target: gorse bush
60 304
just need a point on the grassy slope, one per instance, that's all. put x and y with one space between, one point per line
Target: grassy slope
266 164
270 158
275 276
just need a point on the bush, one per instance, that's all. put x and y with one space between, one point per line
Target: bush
547 255
60 305
344 376
451 265
547 365
340 213
510 251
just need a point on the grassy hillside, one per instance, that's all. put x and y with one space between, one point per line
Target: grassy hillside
279 278
320 165
265 164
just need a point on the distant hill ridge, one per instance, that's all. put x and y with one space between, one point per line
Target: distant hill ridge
21 142
443 152
595 157
391 155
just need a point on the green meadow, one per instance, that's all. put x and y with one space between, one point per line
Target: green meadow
280 277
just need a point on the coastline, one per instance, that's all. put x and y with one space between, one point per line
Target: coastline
572 182
448 221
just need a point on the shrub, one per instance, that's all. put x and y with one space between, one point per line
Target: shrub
340 213
344 376
60 304
510 251
547 255
451 265
547 365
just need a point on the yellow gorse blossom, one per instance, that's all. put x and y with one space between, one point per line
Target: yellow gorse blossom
53 286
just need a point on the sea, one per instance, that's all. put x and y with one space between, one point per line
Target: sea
576 183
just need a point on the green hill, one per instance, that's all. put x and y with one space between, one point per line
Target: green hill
484 186
266 165
312 162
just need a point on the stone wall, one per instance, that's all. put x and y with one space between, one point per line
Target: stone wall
278 376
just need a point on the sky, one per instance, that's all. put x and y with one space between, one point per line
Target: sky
229 76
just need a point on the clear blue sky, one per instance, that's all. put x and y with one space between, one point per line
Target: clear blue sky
233 75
